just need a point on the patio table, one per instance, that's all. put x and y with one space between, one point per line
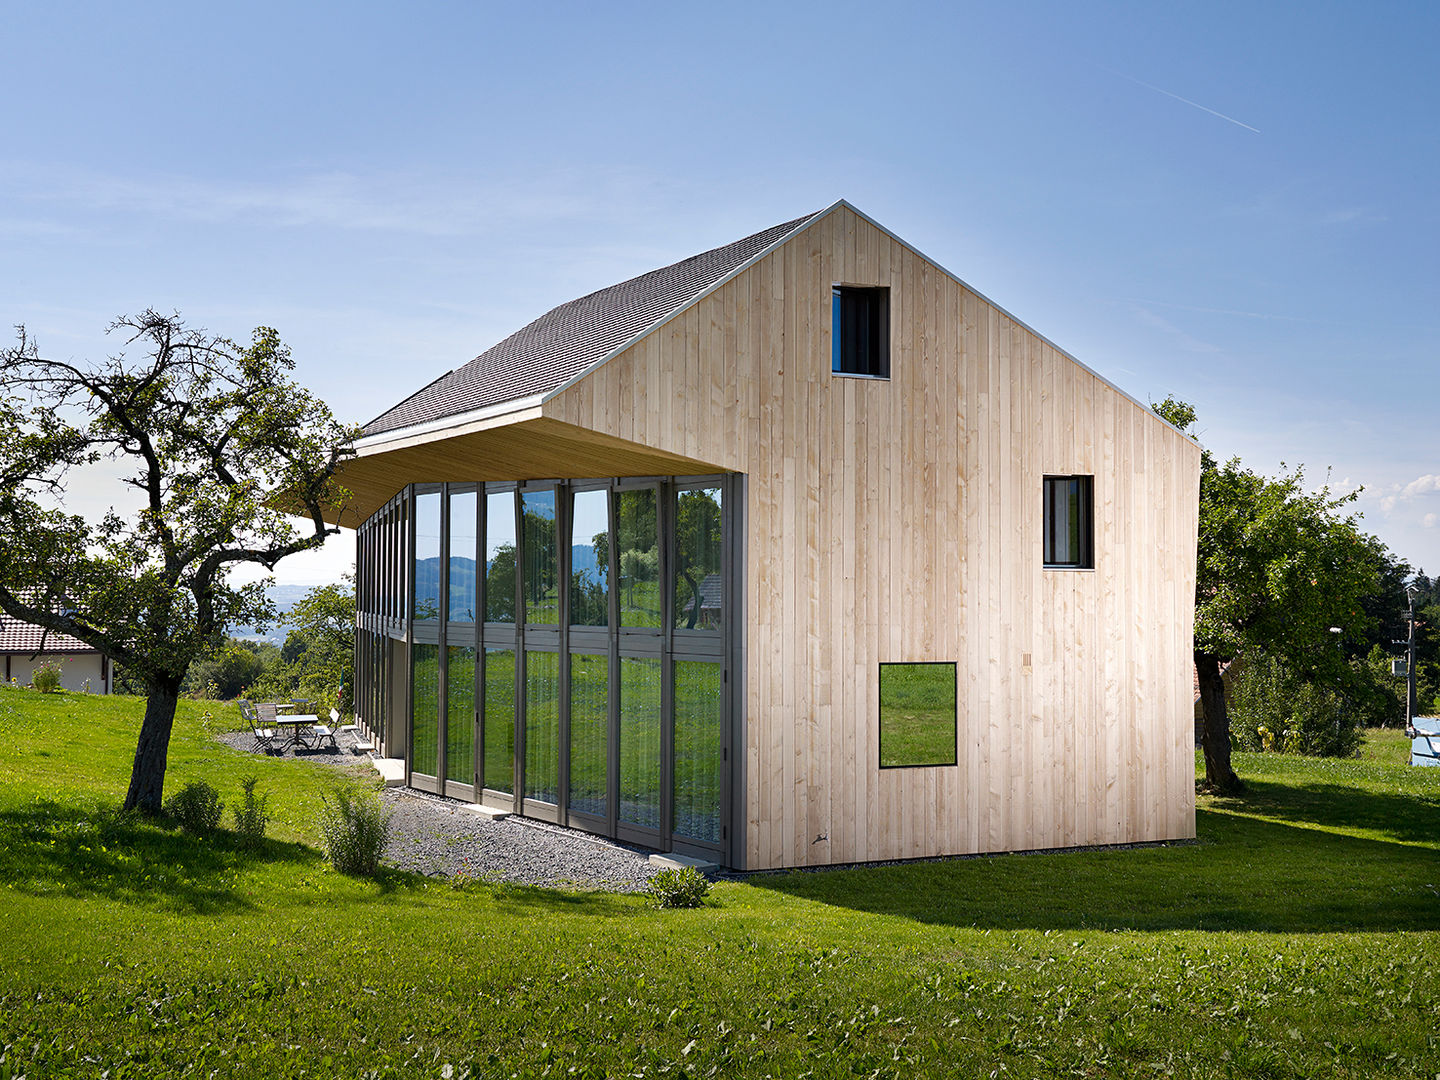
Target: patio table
296 722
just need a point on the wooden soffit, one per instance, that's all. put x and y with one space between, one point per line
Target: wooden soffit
531 449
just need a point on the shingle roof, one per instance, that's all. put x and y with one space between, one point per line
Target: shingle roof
23 637
566 340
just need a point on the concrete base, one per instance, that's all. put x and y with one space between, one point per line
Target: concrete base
672 861
391 770
491 812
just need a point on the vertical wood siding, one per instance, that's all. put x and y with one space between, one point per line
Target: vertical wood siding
900 520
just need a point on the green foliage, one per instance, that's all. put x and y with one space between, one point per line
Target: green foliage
1276 711
230 671
46 677
681 887
227 449
1296 938
196 808
354 829
251 816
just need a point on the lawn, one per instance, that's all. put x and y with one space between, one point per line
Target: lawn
1296 938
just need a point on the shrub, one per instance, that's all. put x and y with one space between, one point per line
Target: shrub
682 888
46 678
354 830
196 808
1277 711
251 817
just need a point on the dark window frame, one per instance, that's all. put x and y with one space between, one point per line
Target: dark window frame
860 331
1076 549
955 719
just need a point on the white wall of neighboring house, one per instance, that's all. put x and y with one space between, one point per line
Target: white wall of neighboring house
75 668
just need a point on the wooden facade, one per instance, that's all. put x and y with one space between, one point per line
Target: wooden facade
899 520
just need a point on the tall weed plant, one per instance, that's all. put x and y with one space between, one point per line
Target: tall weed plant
251 816
354 828
1275 710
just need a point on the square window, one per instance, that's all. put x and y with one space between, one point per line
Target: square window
917 715
1068 533
860 332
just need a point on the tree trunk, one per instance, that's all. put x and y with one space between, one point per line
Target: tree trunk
147 777
1215 725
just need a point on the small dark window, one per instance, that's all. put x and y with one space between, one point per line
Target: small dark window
1068 532
860 334
917 715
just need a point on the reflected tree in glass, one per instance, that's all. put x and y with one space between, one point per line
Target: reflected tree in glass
590 559
542 726
500 557
462 557
698 765
696 580
460 714
427 556
640 742
637 542
589 732
539 552
499 720
425 709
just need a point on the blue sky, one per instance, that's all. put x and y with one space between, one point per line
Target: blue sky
1232 203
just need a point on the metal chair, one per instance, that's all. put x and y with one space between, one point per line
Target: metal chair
321 732
264 737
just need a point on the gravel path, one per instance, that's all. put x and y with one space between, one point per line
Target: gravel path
442 838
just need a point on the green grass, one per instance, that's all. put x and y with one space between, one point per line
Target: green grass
917 714
1297 938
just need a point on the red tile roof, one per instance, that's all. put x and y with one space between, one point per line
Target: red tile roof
23 637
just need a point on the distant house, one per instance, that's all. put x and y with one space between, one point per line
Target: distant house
26 647
798 551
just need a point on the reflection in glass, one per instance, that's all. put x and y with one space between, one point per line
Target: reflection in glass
697 750
499 769
917 714
640 742
639 556
542 726
500 557
425 729
590 559
696 579
462 557
542 594
589 732
427 556
460 714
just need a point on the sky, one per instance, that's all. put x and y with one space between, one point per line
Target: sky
1235 204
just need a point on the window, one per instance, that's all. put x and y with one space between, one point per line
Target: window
860 332
1068 537
917 715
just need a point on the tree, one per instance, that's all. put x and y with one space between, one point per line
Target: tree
321 647
1277 567
219 443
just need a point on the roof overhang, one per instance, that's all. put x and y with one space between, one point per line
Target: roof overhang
520 444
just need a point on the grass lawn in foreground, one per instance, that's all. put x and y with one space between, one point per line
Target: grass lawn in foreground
1296 938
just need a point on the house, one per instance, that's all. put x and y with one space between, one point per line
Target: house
797 552
26 647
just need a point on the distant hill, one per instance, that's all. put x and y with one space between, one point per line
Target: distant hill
284 597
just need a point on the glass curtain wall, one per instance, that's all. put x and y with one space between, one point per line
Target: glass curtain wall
567 644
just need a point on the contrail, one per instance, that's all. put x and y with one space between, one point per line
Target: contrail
1187 101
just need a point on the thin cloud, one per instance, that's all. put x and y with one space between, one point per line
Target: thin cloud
1185 100
1428 484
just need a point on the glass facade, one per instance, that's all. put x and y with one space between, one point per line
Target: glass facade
556 649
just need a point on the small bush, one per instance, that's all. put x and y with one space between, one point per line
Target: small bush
354 830
251 817
1276 711
196 808
682 888
46 678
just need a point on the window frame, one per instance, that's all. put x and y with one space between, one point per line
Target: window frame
955 718
879 335
1084 558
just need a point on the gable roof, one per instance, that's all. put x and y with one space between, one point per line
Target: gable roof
568 339
24 637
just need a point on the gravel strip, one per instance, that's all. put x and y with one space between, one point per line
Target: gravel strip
442 838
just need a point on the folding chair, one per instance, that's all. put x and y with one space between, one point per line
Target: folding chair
264 737
321 732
